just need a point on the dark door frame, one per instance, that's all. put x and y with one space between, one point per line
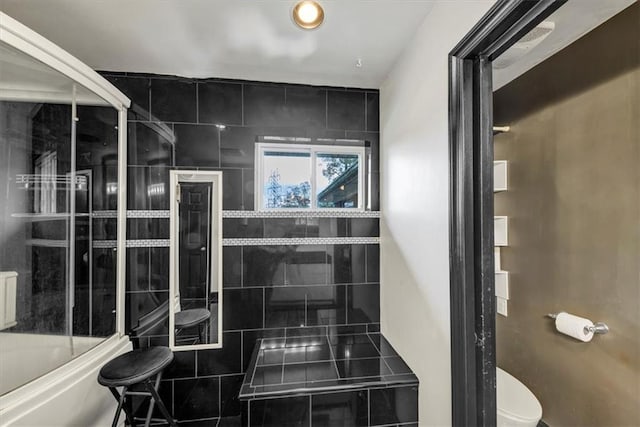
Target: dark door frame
471 263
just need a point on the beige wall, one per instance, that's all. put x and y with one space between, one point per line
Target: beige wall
414 301
574 225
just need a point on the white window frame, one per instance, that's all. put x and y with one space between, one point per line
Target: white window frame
313 150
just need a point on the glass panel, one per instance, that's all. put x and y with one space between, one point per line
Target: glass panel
337 180
286 179
196 299
59 291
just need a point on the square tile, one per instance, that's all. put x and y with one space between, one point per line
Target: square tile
373 263
225 360
264 105
249 302
311 353
231 266
289 412
363 303
197 145
393 405
232 189
271 356
183 365
237 147
219 103
373 111
285 306
147 144
348 409
309 372
267 375
346 110
230 385
196 398
264 265
305 106
361 368
173 100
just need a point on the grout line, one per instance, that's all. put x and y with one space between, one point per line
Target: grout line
149 97
253 374
197 86
369 407
241 350
306 308
219 398
219 131
366 115
326 109
242 102
346 304
241 267
333 357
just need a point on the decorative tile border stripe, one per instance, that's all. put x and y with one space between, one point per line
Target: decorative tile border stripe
164 243
104 214
301 214
104 244
139 243
148 214
148 243
157 213
302 241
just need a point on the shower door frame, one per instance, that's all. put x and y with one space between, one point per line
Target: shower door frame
22 38
471 250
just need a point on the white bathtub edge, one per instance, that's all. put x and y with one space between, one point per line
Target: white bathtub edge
23 402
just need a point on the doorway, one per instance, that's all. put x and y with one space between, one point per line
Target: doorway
472 256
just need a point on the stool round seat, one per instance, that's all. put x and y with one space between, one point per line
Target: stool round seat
135 366
191 317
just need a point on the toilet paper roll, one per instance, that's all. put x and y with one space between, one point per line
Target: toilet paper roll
574 326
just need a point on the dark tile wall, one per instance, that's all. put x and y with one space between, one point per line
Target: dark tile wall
387 406
269 291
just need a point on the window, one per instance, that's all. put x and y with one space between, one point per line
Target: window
294 176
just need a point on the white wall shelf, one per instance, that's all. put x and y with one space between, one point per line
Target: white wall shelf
499 176
500 230
502 284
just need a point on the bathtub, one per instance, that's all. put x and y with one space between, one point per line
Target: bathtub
68 395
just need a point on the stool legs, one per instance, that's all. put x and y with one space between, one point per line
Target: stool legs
121 405
152 391
155 397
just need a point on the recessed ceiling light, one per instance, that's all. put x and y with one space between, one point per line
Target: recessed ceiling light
308 14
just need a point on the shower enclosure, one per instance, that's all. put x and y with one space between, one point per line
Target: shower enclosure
62 140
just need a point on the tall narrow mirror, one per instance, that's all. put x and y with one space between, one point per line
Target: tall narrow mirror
195 285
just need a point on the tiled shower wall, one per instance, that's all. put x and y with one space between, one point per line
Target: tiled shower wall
269 290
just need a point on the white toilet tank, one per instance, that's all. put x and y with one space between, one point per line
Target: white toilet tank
517 405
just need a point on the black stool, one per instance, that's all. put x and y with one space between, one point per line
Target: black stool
137 367
192 317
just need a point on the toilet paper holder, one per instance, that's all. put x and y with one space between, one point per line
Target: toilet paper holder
600 328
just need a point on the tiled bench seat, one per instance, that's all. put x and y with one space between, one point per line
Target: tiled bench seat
351 380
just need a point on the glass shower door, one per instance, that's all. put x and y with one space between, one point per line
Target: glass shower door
58 157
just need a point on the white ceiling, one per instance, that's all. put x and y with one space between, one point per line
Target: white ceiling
257 40
241 39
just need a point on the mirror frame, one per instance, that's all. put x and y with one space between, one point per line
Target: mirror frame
215 178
